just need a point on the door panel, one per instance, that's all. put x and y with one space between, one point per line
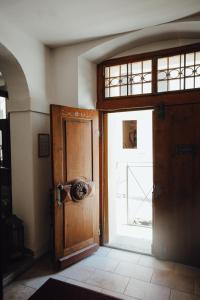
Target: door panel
176 184
79 136
75 155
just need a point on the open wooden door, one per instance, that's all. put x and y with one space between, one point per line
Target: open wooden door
176 201
75 160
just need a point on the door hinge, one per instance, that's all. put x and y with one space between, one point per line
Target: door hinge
160 110
99 132
99 231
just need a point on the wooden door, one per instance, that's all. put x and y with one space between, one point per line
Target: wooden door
75 155
176 201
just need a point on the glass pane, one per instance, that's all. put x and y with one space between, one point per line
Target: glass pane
197 82
174 61
107 72
114 81
162 86
123 69
147 77
123 80
147 88
189 71
197 71
189 59
197 58
147 66
189 83
182 84
137 78
161 75
137 89
124 90
114 91
106 92
174 85
2 108
137 67
114 71
175 73
162 63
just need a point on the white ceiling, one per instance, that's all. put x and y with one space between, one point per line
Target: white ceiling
56 22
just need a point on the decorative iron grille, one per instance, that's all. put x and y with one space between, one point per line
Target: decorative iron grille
128 79
179 72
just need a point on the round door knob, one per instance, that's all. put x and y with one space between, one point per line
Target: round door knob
79 190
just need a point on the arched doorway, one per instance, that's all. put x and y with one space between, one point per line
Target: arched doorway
14 93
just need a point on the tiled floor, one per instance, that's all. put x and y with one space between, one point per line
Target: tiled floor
122 274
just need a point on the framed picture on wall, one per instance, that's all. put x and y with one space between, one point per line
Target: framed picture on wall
43 145
130 134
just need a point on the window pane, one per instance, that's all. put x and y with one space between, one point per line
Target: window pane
147 88
2 108
123 69
117 81
162 63
106 92
124 90
197 58
114 91
107 72
174 61
147 66
137 89
197 82
174 85
114 71
189 59
189 83
179 73
162 86
137 67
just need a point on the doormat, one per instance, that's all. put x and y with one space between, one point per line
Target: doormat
54 289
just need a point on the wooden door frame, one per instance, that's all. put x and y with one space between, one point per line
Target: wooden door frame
103 170
181 99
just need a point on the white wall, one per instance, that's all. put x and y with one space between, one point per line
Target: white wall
26 66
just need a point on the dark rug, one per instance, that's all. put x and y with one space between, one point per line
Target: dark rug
54 289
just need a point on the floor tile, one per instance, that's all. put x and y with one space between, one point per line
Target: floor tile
136 288
134 270
177 295
117 295
102 263
17 291
109 281
149 261
155 292
124 255
146 291
187 271
78 272
103 251
172 280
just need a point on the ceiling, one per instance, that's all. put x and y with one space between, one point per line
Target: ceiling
59 22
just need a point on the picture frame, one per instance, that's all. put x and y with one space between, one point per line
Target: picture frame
43 145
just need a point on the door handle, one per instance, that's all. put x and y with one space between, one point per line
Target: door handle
76 190
60 189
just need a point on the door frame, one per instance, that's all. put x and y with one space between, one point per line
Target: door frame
103 149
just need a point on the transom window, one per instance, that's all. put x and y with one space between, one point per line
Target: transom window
128 79
179 72
153 74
